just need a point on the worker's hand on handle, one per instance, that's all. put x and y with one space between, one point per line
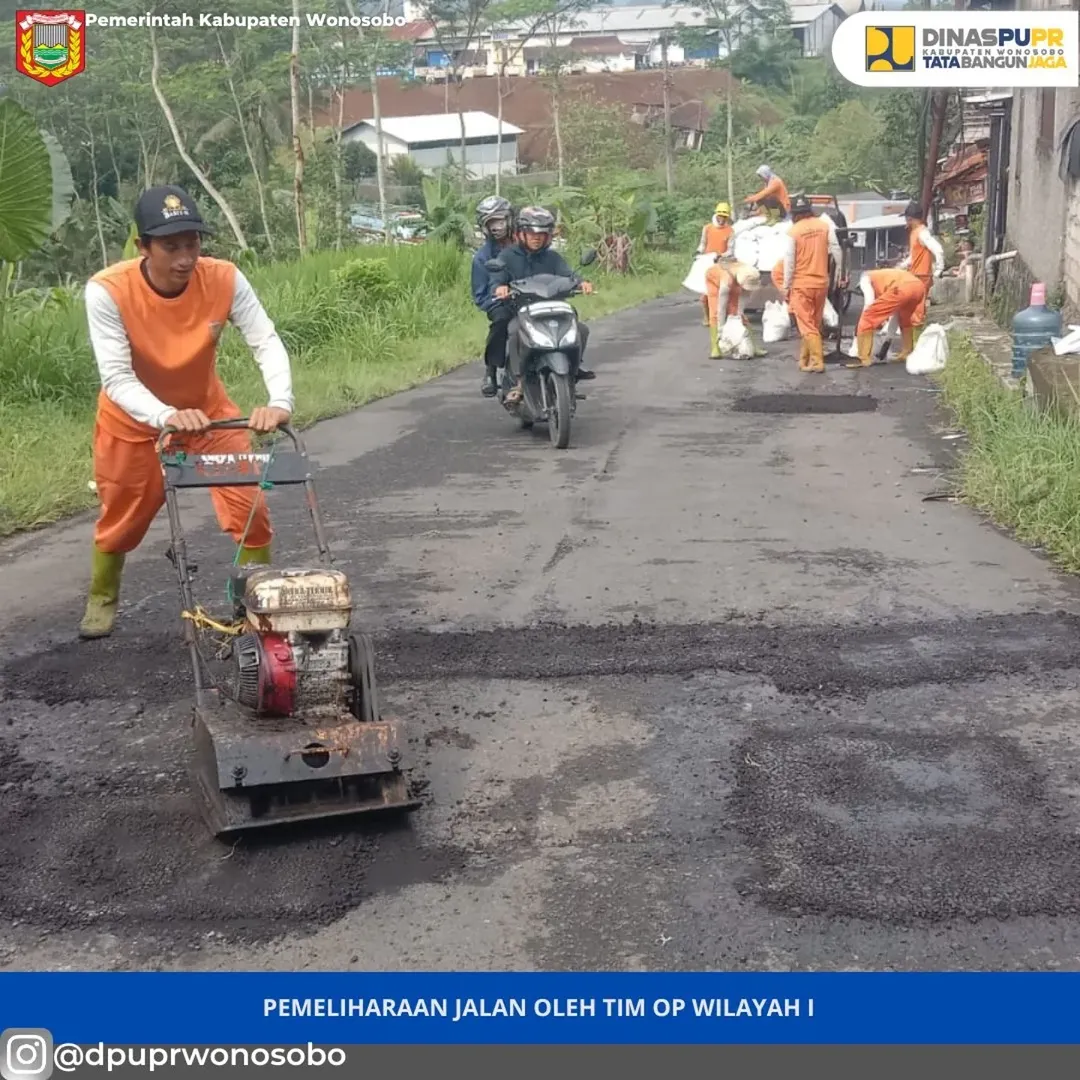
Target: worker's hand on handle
268 418
190 420
502 292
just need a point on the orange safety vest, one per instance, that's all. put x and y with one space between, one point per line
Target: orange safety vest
922 258
173 340
717 238
811 236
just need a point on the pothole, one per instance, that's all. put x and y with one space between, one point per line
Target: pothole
809 404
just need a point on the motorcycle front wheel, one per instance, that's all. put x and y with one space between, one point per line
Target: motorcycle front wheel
561 391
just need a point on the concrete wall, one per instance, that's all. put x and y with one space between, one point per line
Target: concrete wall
480 158
1042 215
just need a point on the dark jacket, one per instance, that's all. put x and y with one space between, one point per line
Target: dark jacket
483 288
520 263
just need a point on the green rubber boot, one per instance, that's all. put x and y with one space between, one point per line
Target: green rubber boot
254 555
714 342
105 573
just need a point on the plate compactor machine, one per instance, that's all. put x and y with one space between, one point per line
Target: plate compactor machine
287 724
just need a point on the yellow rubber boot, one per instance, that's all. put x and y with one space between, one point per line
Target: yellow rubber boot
106 570
714 342
907 343
249 555
866 350
804 354
816 354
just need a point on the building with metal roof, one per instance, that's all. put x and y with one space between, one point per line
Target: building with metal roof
433 141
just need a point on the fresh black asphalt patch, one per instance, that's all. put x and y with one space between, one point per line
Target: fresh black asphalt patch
902 828
808 404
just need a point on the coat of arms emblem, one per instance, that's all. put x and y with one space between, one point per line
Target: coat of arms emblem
50 46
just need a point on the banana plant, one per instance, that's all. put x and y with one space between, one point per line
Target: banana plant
36 189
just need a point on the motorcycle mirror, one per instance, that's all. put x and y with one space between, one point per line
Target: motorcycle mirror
588 257
492 265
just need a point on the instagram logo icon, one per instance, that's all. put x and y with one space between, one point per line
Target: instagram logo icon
26 1054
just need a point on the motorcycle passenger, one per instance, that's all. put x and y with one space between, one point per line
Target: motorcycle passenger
533 254
495 219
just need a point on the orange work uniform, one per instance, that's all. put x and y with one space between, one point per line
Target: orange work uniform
810 279
774 192
173 342
922 266
896 292
719 280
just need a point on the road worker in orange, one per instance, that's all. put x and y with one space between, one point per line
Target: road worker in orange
806 281
716 239
726 282
925 258
773 197
154 326
887 292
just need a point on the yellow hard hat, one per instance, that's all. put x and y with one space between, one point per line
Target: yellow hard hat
723 209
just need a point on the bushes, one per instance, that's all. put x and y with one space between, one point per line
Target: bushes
359 325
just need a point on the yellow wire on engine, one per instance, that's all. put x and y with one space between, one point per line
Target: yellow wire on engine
207 622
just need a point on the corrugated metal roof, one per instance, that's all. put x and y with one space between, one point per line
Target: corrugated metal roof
627 20
805 14
440 127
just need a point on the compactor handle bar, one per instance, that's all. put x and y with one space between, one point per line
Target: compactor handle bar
240 423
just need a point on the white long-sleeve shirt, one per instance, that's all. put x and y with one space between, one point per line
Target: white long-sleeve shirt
929 241
112 353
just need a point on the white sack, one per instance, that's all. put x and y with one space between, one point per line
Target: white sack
746 225
931 353
829 316
1069 345
735 339
775 322
746 248
695 280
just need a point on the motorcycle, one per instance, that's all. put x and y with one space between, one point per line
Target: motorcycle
549 342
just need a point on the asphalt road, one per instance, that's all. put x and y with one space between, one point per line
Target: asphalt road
713 688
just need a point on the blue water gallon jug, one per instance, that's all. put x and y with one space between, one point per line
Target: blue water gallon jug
1033 328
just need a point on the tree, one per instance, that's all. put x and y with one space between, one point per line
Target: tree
181 149
527 17
732 23
456 25
298 146
557 60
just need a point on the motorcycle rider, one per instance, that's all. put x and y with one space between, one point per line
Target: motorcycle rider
495 219
533 254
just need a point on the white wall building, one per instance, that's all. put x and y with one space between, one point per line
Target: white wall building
434 141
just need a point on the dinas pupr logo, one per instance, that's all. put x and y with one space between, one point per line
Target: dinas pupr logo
890 48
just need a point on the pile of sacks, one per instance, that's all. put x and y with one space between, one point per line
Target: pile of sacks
759 244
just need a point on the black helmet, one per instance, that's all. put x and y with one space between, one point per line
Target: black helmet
800 205
494 215
914 210
535 219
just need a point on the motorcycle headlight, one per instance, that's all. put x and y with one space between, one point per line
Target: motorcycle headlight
537 334
570 337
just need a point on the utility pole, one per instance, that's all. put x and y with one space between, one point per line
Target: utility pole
667 116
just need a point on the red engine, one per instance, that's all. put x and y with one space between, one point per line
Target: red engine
292 674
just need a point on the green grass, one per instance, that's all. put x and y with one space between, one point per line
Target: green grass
354 335
1021 467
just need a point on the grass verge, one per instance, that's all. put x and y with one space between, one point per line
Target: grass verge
1021 467
359 325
